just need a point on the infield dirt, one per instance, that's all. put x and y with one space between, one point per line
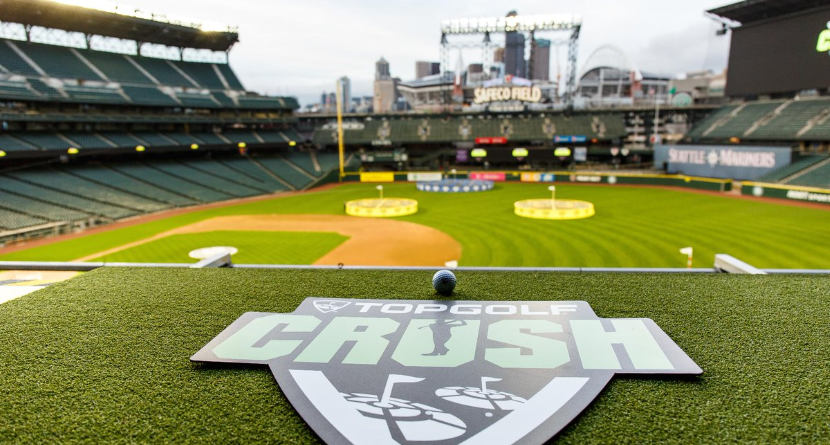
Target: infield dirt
372 241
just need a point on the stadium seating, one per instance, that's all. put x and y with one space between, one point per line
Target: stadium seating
203 74
115 179
205 179
40 209
816 175
61 180
60 198
13 62
797 164
282 168
58 61
603 126
255 171
230 77
303 160
793 120
86 76
87 140
171 182
115 66
10 220
227 173
12 143
147 95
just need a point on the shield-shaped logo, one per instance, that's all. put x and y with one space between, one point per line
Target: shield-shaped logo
326 306
472 372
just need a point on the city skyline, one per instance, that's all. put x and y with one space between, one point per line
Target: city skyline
279 54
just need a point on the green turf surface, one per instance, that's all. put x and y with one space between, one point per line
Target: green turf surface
633 227
254 247
104 357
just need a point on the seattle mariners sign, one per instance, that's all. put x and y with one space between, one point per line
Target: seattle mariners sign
441 372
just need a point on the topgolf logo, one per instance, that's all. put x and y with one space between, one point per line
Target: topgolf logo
407 371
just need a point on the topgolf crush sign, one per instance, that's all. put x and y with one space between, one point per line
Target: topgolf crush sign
441 372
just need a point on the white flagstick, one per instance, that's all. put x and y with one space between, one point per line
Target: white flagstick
552 196
380 188
688 251
390 382
484 381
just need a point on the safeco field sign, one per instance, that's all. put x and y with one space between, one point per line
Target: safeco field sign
409 371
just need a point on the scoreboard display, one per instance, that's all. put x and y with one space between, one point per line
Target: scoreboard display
781 55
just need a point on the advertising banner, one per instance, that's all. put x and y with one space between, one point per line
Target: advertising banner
377 177
721 161
423 176
538 177
488 176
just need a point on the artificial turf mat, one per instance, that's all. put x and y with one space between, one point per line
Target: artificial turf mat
633 227
104 357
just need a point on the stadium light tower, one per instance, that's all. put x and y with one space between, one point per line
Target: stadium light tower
531 24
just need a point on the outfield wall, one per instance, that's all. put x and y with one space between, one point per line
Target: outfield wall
693 182
785 191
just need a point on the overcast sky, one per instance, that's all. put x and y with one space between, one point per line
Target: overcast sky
300 48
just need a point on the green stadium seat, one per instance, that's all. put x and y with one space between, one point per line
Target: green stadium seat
13 62
280 167
73 184
148 95
209 138
162 71
87 140
40 209
116 179
115 66
64 199
206 179
16 90
303 160
202 73
58 61
251 169
225 172
12 143
153 139
172 183
10 220
230 76
45 141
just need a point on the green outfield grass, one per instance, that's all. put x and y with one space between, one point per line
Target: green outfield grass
633 227
254 247
103 358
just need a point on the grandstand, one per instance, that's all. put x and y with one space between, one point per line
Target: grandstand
774 120
75 118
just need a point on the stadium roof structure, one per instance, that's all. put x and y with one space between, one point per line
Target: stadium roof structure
750 11
57 15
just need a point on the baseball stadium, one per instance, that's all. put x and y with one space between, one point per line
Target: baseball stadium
155 213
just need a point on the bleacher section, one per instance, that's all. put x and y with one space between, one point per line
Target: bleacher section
27 141
779 120
282 168
815 175
455 128
10 220
88 76
794 167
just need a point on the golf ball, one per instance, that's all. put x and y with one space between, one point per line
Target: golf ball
444 282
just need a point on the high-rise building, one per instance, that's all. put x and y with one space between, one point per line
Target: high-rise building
514 54
424 69
540 62
385 88
382 69
345 86
498 55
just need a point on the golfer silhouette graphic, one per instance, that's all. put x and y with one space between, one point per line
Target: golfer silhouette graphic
441 334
